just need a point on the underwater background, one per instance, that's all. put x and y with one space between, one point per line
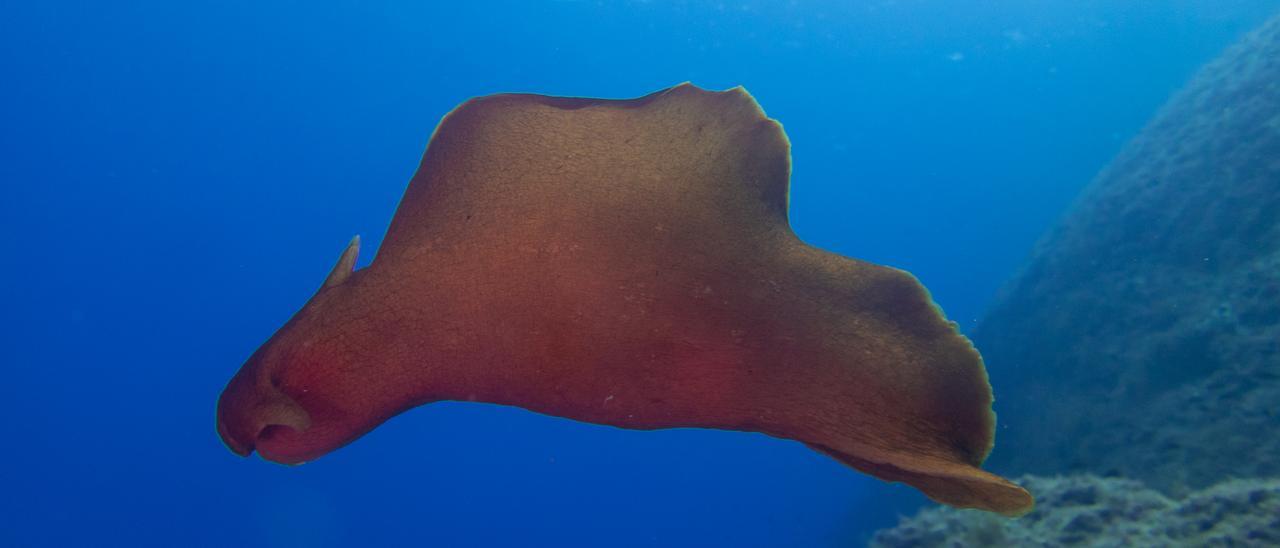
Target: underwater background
179 177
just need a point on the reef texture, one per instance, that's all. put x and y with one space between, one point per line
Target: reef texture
1142 338
1092 511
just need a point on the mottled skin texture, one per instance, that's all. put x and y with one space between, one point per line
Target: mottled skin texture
625 263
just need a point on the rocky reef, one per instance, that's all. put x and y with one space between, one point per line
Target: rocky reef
1142 338
1138 351
1103 512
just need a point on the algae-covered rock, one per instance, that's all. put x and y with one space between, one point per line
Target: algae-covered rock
1142 339
1104 512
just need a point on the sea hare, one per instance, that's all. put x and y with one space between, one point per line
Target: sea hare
626 263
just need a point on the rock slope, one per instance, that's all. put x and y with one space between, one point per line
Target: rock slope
1142 339
1089 511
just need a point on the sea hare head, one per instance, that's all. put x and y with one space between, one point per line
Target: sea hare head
299 396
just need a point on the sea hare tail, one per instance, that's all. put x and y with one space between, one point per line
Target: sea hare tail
948 482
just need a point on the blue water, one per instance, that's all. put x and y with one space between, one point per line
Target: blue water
178 177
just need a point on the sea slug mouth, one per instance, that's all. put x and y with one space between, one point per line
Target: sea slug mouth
270 443
236 446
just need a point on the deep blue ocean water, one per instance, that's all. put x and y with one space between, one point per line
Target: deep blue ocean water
178 178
